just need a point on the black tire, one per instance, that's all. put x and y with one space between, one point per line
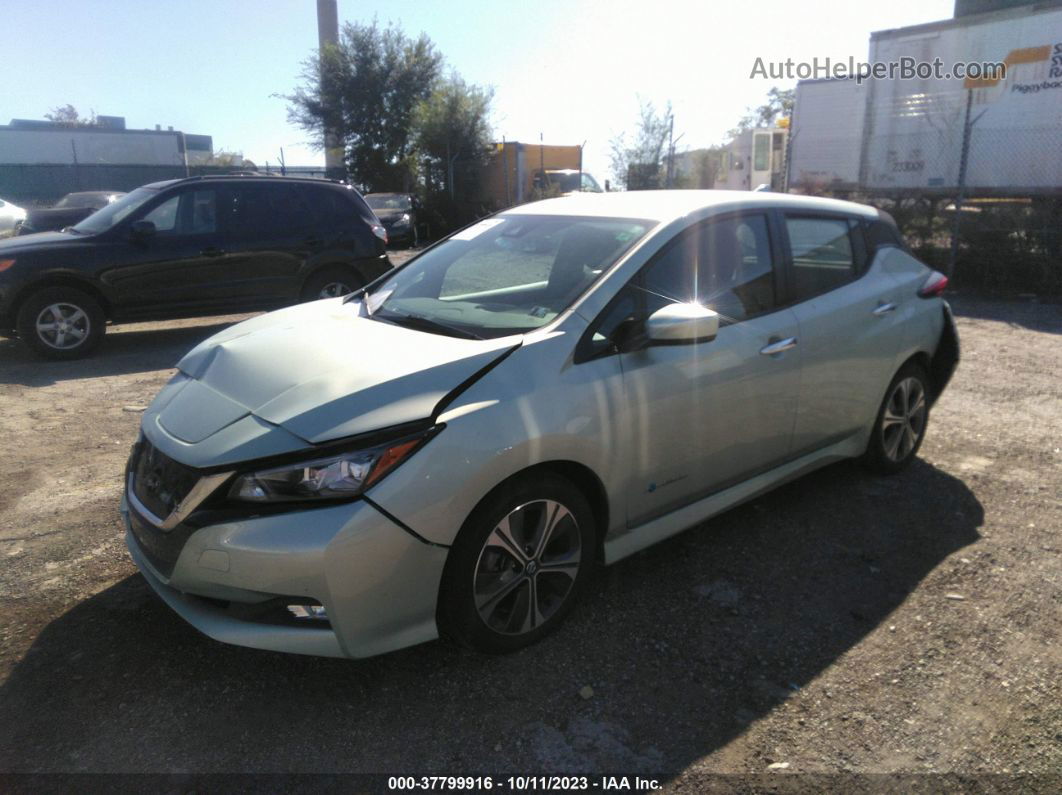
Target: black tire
321 281
72 312
896 438
473 562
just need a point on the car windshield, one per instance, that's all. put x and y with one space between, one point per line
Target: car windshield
113 213
504 275
387 202
568 183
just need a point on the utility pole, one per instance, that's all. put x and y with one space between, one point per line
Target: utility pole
327 37
505 169
964 160
670 150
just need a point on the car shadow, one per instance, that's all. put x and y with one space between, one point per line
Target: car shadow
121 353
684 646
1043 315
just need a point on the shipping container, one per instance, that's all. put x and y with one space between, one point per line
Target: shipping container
510 174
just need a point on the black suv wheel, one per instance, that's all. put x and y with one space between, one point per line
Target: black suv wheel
61 322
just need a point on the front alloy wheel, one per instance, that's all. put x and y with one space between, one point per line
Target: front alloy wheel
61 322
63 326
518 564
527 567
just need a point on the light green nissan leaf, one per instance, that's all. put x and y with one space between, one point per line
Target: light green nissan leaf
454 449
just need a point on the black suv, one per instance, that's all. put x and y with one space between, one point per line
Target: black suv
198 246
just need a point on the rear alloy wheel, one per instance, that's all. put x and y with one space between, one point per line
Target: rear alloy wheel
61 323
902 421
518 565
331 283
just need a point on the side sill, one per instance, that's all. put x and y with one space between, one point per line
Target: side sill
646 535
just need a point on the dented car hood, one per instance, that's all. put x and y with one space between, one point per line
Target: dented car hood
312 373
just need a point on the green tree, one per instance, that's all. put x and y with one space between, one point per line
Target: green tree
451 127
67 116
365 90
640 162
229 159
779 105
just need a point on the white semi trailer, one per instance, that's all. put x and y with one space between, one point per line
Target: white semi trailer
907 135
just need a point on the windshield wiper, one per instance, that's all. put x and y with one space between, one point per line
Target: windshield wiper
423 323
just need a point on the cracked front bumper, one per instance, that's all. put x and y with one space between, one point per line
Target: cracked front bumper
377 582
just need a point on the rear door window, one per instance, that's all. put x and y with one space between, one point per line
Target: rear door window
268 211
823 256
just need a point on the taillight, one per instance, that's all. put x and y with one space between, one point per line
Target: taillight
380 232
934 285
5 264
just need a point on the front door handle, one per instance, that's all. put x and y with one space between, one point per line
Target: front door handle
211 252
781 346
884 309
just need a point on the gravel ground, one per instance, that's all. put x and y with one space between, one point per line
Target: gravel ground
843 623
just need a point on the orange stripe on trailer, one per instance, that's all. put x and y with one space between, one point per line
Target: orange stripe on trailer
1014 57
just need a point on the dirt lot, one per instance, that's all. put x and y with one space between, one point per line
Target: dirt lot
842 623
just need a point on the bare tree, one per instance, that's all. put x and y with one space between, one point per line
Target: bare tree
638 164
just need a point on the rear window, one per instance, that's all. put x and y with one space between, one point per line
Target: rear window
338 205
266 208
882 233
823 255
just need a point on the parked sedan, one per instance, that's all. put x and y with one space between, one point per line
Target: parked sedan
455 448
10 216
398 213
69 210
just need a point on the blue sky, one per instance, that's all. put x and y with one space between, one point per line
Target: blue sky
571 70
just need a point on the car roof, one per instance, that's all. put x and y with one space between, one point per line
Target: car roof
96 193
248 178
669 205
388 194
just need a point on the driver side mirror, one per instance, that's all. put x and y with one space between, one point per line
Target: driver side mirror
677 324
141 230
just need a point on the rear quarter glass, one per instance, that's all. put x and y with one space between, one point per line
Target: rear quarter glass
363 208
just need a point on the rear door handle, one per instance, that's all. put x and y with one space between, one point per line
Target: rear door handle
884 309
781 346
211 252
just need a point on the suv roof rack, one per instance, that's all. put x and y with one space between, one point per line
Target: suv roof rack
204 177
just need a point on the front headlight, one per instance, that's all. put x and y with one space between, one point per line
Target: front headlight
335 477
403 221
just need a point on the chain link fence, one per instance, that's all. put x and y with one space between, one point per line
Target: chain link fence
983 204
42 184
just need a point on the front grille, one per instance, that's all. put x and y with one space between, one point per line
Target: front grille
159 482
162 548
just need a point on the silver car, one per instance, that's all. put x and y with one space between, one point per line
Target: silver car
455 448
